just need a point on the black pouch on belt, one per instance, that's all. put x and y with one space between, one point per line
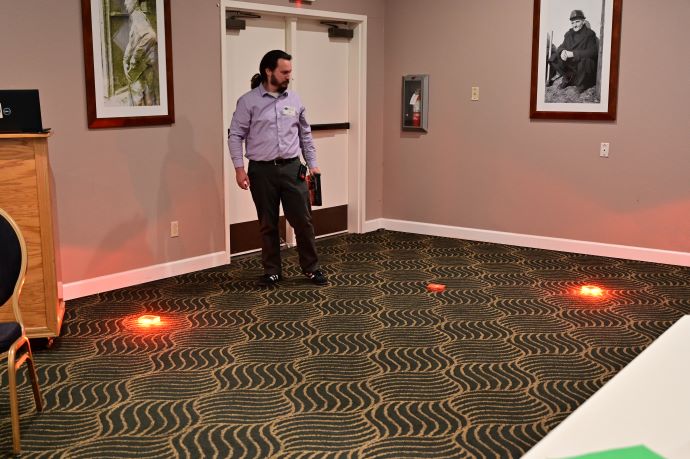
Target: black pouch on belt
302 172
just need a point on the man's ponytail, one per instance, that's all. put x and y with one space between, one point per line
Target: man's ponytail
256 80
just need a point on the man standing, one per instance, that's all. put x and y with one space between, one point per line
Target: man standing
576 59
270 121
140 60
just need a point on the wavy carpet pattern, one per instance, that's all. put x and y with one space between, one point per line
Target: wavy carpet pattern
371 366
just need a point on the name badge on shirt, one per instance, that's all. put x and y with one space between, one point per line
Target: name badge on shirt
289 111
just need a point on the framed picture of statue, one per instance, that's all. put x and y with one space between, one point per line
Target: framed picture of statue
128 62
575 54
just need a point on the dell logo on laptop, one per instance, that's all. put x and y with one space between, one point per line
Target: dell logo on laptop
7 111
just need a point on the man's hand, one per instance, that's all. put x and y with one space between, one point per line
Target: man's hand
315 171
241 178
565 55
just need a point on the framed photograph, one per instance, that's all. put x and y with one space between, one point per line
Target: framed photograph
128 62
575 53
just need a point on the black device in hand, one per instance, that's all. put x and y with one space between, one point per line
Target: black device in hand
314 184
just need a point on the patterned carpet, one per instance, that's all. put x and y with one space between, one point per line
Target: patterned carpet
371 366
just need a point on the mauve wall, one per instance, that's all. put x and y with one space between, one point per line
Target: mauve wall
485 165
118 189
482 165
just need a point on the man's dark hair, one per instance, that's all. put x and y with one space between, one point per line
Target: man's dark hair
269 61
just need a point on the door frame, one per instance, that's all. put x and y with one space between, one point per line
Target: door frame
357 103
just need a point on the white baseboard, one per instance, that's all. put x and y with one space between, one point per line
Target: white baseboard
151 273
541 242
101 284
373 225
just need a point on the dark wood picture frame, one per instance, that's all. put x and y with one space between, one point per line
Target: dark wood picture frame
598 102
128 113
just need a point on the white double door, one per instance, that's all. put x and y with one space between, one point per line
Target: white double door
320 77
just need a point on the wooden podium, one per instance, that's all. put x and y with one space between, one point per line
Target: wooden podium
25 193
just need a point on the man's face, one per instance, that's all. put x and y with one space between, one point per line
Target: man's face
280 77
577 24
129 5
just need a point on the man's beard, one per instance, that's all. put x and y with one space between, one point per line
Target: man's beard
281 87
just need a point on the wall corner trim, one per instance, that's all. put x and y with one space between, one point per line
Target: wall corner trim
373 225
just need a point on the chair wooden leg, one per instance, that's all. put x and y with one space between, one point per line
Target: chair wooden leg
34 378
14 404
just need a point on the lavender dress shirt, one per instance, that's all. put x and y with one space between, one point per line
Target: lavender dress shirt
270 127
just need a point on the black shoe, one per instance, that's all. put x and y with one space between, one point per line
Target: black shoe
268 280
316 277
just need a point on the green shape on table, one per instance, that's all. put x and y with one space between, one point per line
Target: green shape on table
631 452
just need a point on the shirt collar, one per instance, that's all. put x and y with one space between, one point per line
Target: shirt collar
263 92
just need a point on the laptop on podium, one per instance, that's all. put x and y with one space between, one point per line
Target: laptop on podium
20 111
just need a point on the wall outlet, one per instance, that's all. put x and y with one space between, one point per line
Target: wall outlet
174 229
475 92
604 150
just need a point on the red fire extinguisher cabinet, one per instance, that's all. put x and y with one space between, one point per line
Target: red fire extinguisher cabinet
415 103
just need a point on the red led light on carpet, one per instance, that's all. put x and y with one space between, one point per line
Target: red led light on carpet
591 290
435 287
149 320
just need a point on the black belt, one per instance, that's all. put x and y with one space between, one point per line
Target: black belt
277 161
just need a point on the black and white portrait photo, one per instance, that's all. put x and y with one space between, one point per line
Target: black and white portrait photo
572 57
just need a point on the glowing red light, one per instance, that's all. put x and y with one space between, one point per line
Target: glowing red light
149 320
435 287
591 290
